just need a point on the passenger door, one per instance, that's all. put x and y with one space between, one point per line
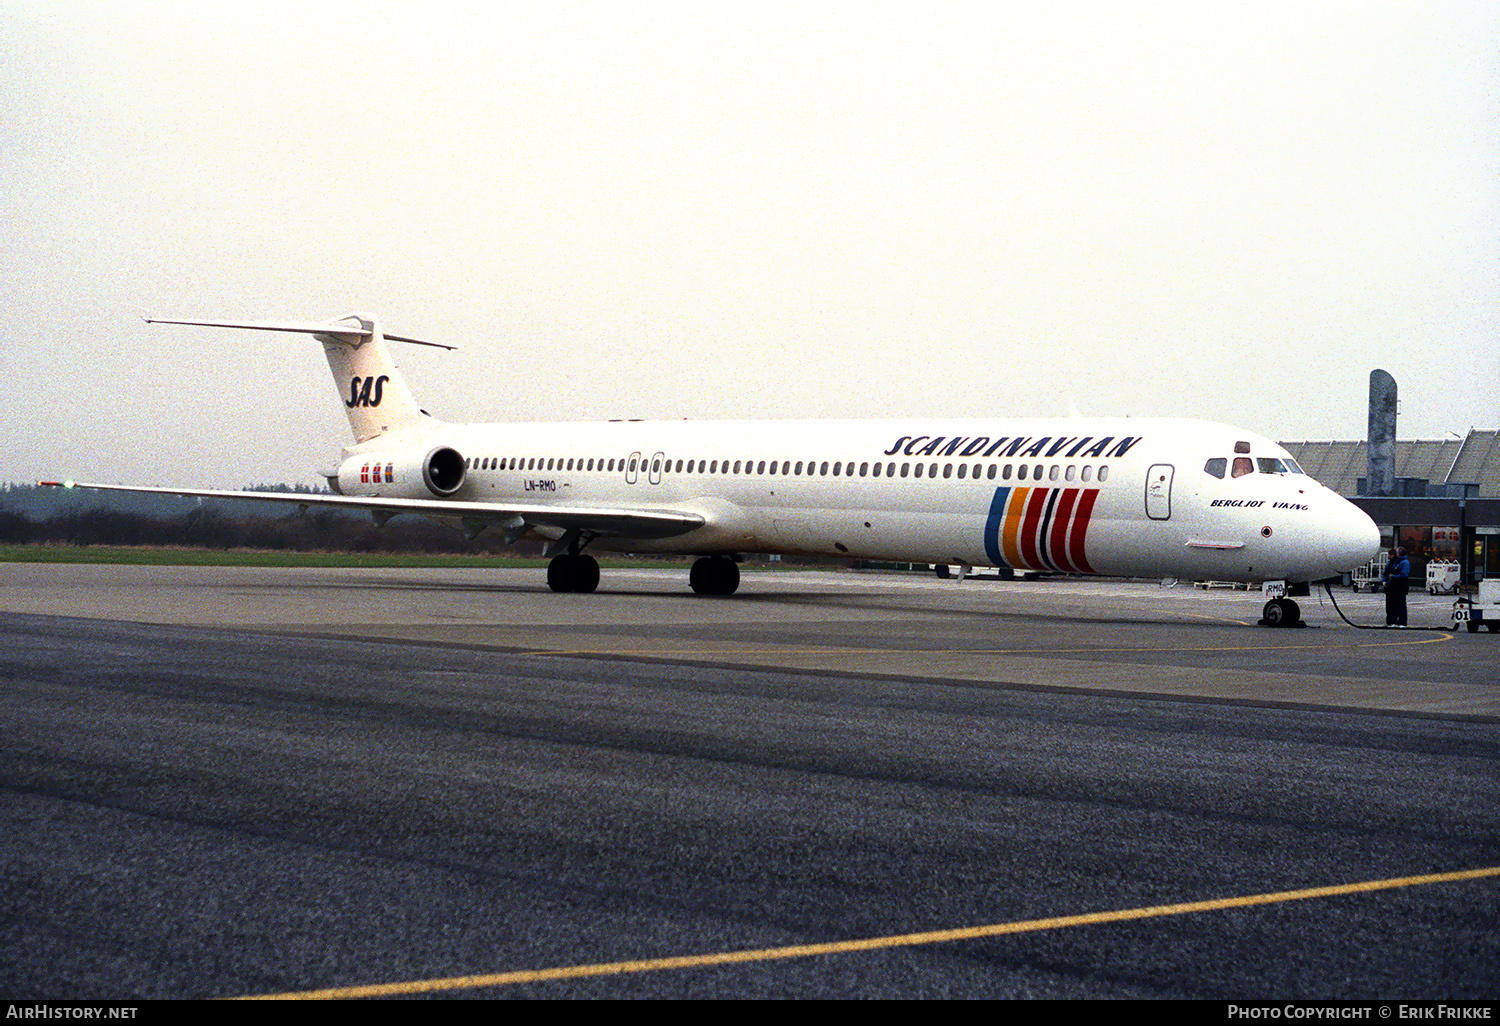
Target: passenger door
1159 491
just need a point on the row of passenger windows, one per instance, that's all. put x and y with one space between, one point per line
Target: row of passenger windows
1243 465
787 468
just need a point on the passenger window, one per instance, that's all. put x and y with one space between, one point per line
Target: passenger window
991 473
1103 474
1072 472
1005 474
947 470
1243 466
1021 472
1052 474
1088 472
917 470
1215 467
904 468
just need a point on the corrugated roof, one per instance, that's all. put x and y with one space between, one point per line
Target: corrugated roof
1474 459
1479 461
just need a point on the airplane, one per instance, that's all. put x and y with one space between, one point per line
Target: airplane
1119 497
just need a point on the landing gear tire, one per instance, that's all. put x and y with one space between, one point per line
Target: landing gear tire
1281 612
714 575
576 573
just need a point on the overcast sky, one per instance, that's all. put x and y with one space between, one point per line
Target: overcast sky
1227 211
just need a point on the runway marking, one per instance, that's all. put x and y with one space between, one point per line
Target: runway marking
865 944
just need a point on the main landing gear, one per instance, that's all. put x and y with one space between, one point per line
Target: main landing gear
573 571
576 572
1281 612
714 575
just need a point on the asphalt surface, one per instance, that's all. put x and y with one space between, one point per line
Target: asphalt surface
195 810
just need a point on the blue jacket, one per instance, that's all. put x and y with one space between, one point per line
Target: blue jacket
1398 567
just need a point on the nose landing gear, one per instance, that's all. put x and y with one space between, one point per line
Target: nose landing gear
1281 612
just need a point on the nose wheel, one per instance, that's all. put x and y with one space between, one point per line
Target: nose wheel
1281 612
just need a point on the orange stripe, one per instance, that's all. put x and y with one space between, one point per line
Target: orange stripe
1012 526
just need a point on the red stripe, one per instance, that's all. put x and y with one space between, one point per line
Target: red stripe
1058 542
1076 537
1028 538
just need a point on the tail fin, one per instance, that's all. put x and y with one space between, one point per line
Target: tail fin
372 390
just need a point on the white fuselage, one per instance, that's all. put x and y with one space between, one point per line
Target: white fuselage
1119 497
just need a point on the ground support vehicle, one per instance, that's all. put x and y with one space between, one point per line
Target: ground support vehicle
1482 610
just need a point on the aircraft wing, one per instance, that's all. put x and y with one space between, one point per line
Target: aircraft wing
515 519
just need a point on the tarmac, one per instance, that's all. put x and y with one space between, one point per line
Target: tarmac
238 782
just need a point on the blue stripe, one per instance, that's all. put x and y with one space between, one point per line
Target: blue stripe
1043 544
993 525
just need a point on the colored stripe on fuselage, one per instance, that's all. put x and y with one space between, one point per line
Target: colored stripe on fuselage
992 528
1040 528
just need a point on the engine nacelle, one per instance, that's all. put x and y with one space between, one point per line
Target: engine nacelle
410 474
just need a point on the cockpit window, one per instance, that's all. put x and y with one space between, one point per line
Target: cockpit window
1293 466
1243 466
1241 446
1215 467
1271 465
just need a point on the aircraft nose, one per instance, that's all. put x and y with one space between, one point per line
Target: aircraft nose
1352 540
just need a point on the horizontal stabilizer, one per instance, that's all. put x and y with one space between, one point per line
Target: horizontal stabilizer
335 329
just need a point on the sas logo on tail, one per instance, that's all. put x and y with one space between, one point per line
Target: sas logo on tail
365 391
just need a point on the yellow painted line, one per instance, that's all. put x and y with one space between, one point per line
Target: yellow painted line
812 651
865 944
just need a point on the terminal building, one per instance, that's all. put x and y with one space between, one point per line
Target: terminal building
1440 498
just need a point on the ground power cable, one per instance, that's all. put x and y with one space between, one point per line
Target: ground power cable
1374 626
